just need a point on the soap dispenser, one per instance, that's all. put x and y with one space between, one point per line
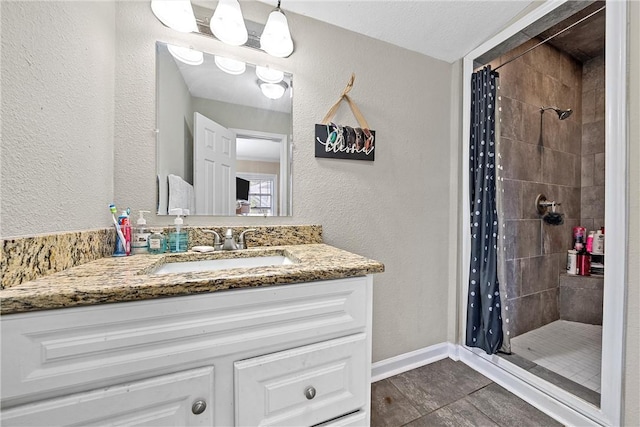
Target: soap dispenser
178 236
139 243
157 242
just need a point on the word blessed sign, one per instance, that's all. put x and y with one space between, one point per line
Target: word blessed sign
344 142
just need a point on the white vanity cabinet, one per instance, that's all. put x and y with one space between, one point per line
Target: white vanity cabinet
278 355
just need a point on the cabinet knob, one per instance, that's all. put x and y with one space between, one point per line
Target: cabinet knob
310 392
198 407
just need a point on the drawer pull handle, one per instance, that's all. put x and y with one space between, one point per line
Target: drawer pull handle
198 407
310 392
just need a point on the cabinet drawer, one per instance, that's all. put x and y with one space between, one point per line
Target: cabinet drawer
273 389
356 419
162 401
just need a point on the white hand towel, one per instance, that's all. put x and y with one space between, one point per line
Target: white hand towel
181 195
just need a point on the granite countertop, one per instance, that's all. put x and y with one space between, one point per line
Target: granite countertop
109 279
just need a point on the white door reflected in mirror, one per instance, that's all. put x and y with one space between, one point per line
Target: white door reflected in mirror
214 167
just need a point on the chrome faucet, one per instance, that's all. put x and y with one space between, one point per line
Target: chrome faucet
229 242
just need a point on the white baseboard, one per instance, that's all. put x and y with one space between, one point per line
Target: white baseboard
408 361
529 391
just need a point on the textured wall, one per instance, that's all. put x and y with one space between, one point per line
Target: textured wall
57 116
395 209
541 154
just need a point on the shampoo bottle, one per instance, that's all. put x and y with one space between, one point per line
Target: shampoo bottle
598 243
590 241
572 262
178 237
139 243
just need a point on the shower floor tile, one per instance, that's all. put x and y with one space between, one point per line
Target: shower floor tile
570 349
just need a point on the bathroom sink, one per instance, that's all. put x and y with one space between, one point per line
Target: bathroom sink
221 264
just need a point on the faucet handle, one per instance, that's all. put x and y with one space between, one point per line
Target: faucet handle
217 241
242 243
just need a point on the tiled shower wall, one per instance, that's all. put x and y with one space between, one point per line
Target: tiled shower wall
540 154
592 205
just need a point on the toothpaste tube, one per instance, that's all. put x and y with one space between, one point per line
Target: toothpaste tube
125 226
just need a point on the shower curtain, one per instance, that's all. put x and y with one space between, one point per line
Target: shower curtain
484 327
502 247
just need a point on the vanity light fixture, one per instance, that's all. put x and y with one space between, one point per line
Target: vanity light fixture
276 37
175 14
227 23
269 75
186 54
230 66
273 90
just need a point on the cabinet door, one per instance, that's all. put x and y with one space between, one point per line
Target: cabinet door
166 400
302 386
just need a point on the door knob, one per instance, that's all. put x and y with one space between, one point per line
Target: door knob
310 392
198 407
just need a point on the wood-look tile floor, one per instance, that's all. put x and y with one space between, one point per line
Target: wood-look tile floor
448 393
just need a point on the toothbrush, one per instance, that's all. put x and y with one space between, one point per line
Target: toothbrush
113 210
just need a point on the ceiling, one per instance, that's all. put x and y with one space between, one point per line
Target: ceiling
585 40
444 29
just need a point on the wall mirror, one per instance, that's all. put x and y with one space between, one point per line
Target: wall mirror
224 135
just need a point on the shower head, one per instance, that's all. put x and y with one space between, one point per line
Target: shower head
562 114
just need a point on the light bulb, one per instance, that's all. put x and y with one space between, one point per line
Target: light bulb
269 75
273 90
230 66
276 38
186 55
175 14
227 23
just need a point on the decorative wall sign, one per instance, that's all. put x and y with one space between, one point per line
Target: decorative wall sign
345 142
